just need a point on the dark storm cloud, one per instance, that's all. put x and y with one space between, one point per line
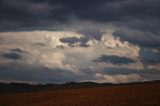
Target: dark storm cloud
12 55
43 12
30 73
18 50
141 15
138 37
73 40
146 74
147 56
95 33
114 59
126 71
70 40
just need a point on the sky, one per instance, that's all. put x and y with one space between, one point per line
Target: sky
58 41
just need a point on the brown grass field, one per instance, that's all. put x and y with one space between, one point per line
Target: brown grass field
125 95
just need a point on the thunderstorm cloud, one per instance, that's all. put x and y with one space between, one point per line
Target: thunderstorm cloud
57 41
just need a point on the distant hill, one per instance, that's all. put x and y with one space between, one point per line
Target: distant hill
26 87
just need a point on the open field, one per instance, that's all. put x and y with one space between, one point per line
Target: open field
147 94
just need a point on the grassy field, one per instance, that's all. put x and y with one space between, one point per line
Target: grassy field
147 94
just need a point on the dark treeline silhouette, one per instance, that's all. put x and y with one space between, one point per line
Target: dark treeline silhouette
14 87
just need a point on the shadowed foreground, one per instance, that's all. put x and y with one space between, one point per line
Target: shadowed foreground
147 94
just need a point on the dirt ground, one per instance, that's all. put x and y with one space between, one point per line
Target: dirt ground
128 95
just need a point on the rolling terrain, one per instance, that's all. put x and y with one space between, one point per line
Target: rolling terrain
136 94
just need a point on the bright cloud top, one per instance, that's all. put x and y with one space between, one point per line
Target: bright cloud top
64 56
